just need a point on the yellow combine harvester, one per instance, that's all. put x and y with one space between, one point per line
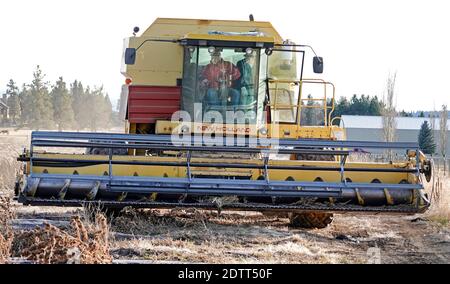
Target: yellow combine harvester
219 116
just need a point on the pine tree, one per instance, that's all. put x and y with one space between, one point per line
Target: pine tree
13 101
100 109
403 113
375 106
93 112
363 105
62 105
26 105
426 141
42 108
108 111
78 95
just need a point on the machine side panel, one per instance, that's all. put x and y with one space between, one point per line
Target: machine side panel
147 104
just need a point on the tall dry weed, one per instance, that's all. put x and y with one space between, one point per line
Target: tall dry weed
82 244
9 166
6 233
9 169
439 192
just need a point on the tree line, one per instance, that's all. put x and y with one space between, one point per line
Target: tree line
372 106
358 105
39 105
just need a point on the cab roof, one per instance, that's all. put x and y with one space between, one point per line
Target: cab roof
198 28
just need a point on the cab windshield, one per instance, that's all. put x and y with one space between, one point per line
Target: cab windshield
224 81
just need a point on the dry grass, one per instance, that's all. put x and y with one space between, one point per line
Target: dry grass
150 222
86 241
11 147
197 236
6 233
439 192
83 243
9 169
252 238
260 250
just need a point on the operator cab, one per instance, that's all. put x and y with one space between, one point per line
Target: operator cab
231 82
225 81
224 78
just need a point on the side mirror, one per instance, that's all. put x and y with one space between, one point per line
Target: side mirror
318 65
130 56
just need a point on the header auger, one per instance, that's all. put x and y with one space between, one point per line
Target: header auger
216 118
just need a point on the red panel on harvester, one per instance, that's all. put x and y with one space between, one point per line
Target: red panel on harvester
147 104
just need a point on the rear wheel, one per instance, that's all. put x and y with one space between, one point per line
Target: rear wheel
310 220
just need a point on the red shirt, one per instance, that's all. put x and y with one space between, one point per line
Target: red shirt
223 70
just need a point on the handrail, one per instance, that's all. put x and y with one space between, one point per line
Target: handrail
275 106
326 83
328 110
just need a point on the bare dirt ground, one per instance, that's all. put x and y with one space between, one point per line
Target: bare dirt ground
193 236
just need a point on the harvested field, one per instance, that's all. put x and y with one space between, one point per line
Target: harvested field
195 236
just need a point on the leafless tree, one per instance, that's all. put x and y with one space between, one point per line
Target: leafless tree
443 132
389 113
433 118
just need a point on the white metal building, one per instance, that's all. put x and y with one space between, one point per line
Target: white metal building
370 128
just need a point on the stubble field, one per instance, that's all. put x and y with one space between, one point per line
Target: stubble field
195 236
